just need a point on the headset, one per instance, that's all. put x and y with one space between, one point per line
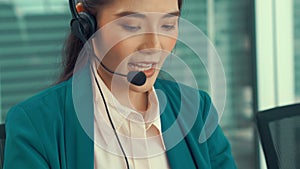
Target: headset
83 24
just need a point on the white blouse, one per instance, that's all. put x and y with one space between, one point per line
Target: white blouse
140 136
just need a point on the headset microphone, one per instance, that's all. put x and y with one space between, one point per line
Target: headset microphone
134 77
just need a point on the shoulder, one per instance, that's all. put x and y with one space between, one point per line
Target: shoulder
47 104
196 116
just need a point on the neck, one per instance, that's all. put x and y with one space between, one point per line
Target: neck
139 101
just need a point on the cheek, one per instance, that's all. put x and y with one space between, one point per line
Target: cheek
114 57
109 38
119 52
168 43
124 48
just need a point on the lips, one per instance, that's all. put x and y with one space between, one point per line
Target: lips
140 66
146 67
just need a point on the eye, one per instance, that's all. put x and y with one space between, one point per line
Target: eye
131 28
168 27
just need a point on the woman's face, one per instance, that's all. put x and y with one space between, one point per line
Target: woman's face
136 35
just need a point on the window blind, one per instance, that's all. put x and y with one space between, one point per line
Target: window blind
30 54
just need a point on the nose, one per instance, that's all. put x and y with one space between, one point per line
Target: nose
151 43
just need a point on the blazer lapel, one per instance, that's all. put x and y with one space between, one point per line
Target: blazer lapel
178 153
79 129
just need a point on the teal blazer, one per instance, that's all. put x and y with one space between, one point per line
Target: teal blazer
44 132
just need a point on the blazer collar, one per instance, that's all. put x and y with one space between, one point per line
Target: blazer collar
79 124
178 152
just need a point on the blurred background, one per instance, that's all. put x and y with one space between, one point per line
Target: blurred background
258 42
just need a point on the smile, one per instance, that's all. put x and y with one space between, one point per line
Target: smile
141 66
147 67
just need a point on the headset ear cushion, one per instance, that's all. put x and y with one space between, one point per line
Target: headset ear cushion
84 27
88 23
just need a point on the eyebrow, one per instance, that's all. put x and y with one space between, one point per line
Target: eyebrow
140 15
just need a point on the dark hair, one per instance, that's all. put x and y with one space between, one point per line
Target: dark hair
73 45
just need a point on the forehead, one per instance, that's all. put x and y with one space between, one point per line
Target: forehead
108 13
140 6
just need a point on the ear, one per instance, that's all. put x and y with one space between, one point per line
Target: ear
79 7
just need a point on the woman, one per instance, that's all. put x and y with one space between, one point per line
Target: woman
129 127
